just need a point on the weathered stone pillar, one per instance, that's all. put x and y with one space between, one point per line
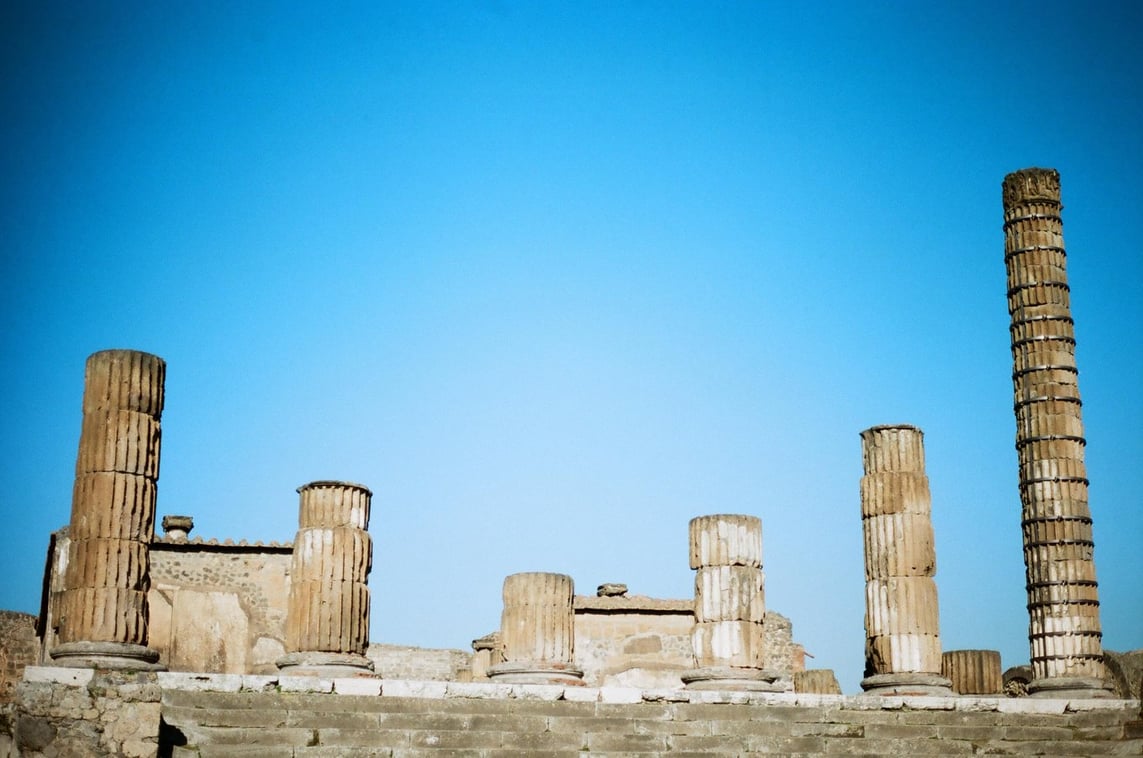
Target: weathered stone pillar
486 653
730 606
1063 597
902 627
973 672
327 618
103 608
537 631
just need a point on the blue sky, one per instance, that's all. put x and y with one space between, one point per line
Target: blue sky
552 279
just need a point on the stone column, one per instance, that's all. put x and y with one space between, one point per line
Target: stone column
103 608
973 672
537 631
327 618
730 606
902 629
1063 598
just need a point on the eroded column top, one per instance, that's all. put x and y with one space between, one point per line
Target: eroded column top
1031 184
893 448
127 380
725 540
332 504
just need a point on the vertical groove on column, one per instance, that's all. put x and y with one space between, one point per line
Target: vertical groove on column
730 601
973 672
902 621
113 506
328 609
538 622
1063 602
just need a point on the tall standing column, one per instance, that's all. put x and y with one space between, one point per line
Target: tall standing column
327 617
1063 597
902 625
537 631
103 608
730 606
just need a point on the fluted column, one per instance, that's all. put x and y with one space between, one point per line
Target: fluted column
103 608
1063 597
730 606
902 627
327 618
537 631
973 672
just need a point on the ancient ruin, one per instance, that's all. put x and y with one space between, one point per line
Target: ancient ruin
102 611
902 625
327 625
1063 597
730 606
267 644
537 631
973 672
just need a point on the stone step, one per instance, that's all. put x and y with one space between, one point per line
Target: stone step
279 724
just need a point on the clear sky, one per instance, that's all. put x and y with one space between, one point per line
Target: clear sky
552 279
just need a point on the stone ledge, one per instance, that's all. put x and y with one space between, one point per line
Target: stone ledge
631 604
366 686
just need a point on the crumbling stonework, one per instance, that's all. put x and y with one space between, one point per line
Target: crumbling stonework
422 664
633 641
102 613
1063 597
219 607
537 630
728 636
18 648
81 712
973 672
902 628
327 621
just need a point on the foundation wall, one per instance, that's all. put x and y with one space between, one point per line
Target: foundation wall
187 715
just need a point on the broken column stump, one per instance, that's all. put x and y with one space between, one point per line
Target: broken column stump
730 606
1063 597
973 672
327 618
103 607
537 631
902 626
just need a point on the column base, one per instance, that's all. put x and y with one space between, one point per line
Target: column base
907 683
1071 688
120 656
536 672
734 678
326 665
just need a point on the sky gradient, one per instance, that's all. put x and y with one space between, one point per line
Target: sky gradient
552 279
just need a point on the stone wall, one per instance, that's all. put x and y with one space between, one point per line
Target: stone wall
637 641
215 607
72 712
427 664
219 607
19 647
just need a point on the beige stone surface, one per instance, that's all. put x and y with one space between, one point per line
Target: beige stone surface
730 593
726 540
328 606
902 623
210 632
729 643
107 567
537 623
1063 601
973 672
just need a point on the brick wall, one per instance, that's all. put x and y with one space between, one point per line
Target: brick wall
19 647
